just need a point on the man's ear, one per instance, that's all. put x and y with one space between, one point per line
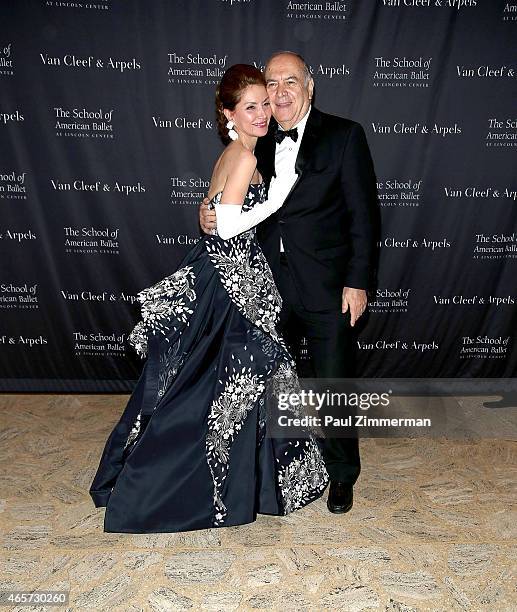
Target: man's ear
310 87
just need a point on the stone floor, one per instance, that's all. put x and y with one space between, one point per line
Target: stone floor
433 528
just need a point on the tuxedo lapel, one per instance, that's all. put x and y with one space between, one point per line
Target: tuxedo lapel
307 145
265 152
310 136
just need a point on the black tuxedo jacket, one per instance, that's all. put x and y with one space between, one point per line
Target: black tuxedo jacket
328 222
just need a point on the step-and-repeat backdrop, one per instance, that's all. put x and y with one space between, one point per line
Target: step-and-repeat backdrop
107 140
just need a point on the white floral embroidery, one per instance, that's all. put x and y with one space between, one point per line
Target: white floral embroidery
170 300
135 430
268 345
171 361
247 278
241 390
285 380
138 339
245 273
303 476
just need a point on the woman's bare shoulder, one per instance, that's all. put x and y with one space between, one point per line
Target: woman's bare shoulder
236 162
237 154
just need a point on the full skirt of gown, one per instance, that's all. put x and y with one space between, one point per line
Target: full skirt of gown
190 450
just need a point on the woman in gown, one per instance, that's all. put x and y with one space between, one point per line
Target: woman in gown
190 450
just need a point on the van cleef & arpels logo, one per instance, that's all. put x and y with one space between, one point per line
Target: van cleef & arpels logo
183 123
71 61
319 70
416 4
484 71
177 239
87 295
28 342
19 236
390 242
9 117
417 128
397 344
474 300
117 187
235 2
475 193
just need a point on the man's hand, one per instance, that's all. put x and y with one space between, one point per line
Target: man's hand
207 218
355 299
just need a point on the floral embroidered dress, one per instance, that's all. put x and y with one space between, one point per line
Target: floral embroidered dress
190 450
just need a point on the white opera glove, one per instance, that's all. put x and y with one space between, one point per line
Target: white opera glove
232 220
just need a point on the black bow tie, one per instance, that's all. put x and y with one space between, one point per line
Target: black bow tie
281 134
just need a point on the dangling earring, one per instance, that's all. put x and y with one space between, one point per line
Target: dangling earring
231 132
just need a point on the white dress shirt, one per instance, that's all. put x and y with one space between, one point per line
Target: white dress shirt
286 153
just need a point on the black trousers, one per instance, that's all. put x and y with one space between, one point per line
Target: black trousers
331 345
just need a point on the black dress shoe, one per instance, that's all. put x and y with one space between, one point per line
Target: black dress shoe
341 497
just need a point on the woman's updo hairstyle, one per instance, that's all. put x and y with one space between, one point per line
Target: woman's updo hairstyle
229 92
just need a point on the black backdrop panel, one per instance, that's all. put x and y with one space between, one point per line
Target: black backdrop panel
107 140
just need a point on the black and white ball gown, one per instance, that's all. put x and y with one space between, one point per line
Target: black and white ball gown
190 450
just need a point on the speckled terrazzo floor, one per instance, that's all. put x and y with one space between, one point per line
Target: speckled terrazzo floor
433 527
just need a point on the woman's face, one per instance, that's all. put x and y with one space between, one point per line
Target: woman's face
252 113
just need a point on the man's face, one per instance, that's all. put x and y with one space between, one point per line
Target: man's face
289 94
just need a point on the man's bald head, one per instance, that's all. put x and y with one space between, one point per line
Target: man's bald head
290 87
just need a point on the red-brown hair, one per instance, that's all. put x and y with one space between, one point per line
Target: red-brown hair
229 92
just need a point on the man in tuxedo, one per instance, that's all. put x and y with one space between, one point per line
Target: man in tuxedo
320 244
